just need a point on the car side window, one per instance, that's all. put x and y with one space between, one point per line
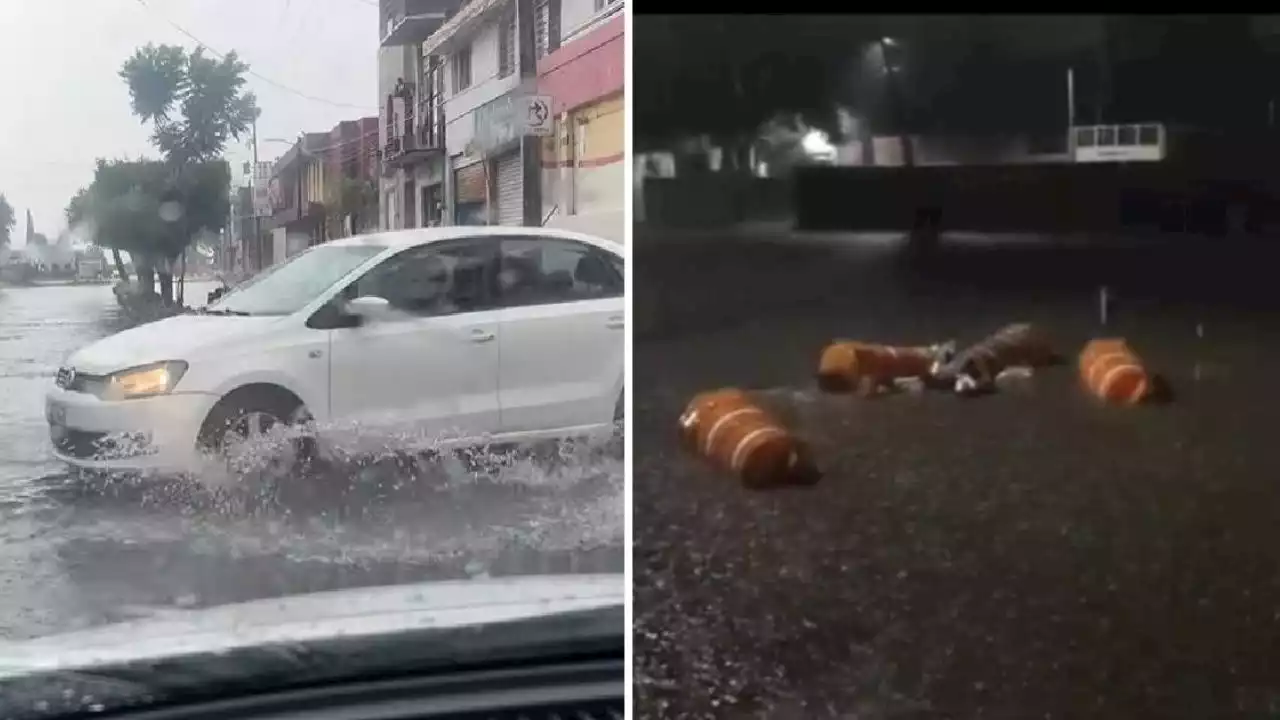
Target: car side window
544 271
440 279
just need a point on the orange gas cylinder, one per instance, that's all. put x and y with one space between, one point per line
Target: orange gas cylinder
1111 371
838 366
846 364
729 429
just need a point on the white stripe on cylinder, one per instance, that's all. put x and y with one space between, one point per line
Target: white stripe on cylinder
743 450
1100 363
1113 373
719 424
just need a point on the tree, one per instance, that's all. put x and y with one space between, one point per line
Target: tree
195 105
7 220
352 197
142 207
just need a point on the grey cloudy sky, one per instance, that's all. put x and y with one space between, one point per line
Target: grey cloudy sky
64 105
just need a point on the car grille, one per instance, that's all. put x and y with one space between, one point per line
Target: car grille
85 445
69 379
79 443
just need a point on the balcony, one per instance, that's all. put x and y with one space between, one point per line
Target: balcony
415 141
407 22
412 148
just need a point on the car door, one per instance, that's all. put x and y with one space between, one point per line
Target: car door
432 364
562 319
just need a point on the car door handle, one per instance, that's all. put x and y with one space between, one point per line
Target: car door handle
615 323
481 336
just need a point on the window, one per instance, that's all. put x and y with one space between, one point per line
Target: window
537 271
602 4
441 279
507 45
546 27
460 69
288 287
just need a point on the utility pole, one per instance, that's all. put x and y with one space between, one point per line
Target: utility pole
530 145
1071 113
253 192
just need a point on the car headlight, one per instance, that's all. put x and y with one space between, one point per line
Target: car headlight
144 381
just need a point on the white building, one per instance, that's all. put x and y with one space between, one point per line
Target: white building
488 81
411 190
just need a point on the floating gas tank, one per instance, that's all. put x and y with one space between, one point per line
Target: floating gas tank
731 430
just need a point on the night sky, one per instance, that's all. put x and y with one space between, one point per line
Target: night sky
724 74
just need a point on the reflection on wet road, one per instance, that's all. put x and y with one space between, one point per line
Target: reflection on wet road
79 551
1027 554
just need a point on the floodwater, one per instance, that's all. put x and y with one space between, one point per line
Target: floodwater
81 551
1025 554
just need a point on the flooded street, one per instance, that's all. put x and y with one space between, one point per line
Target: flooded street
1026 554
77 551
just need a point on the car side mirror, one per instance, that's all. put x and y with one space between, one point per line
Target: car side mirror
369 307
334 317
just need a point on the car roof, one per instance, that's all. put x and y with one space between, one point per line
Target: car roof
399 239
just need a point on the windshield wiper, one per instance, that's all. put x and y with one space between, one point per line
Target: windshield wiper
223 311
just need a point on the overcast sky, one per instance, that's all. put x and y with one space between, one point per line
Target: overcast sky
64 105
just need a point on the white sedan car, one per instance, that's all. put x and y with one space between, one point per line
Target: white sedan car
510 334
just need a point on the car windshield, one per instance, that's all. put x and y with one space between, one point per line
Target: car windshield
288 287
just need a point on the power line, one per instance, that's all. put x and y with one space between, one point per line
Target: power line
250 71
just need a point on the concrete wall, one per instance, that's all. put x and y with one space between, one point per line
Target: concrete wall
578 17
939 150
714 200
583 171
485 87
1052 198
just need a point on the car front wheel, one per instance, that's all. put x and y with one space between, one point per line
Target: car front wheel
237 429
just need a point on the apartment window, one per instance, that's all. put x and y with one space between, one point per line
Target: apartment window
460 69
507 45
546 27
602 4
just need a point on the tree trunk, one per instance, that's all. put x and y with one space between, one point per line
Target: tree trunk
119 262
182 281
146 278
166 287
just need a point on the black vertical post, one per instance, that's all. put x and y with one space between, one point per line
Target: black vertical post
530 146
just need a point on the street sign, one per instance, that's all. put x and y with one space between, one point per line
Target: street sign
538 118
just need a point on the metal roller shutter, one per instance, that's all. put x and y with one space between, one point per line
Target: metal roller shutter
510 190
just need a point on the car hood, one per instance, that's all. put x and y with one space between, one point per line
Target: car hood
297 620
174 338
313 641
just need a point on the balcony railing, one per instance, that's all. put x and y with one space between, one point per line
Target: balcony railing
415 138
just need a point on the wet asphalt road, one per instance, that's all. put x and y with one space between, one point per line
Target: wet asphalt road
1028 554
78 551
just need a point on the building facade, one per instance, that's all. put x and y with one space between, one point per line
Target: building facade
411 187
487 77
581 66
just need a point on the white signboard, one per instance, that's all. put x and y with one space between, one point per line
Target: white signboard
510 117
538 120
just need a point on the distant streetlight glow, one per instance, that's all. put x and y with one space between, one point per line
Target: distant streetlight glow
817 145
888 41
